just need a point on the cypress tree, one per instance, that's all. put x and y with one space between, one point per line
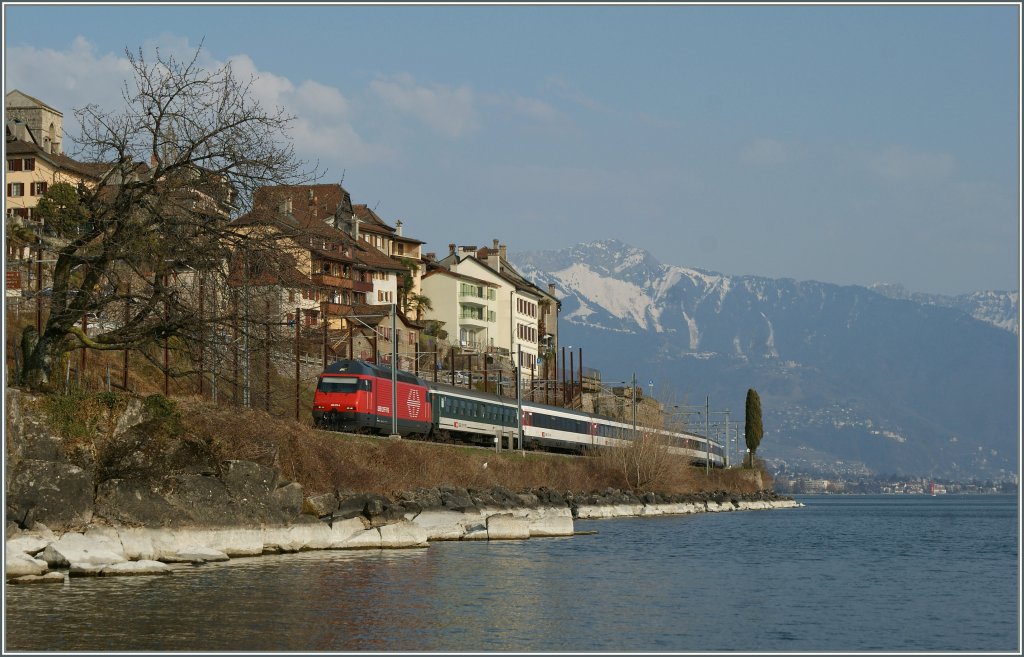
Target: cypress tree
753 430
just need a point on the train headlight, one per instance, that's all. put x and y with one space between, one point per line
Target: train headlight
350 408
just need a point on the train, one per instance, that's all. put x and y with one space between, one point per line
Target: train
355 396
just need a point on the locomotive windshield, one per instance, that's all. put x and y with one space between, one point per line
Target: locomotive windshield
338 384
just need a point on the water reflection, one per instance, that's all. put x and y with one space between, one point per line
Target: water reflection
836 577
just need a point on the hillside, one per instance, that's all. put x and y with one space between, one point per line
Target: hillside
846 375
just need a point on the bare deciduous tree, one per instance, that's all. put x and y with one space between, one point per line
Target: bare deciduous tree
156 245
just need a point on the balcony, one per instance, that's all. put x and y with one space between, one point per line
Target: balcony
362 286
335 309
327 280
469 318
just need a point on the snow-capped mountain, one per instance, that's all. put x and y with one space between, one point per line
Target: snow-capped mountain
1000 309
845 372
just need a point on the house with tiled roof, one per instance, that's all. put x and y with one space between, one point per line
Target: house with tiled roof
490 307
332 280
34 162
368 227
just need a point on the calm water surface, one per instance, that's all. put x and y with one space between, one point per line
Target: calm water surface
851 573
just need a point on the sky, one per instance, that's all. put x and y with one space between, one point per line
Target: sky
851 144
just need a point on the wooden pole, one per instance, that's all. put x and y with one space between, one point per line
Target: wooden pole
298 373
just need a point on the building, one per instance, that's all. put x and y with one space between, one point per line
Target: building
366 226
327 276
35 162
489 307
42 124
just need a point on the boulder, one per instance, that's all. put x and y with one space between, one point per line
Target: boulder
20 564
74 548
48 578
246 481
136 503
33 439
135 568
320 505
456 499
287 501
59 494
26 543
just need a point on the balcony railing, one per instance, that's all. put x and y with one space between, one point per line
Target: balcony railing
362 286
335 309
328 280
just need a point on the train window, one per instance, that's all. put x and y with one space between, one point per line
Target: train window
338 384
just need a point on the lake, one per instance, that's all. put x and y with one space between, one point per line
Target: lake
843 573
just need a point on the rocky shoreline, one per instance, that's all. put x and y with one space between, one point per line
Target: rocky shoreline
147 501
356 522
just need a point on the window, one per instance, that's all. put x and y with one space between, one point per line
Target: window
14 164
15 189
401 248
38 188
291 296
338 384
30 164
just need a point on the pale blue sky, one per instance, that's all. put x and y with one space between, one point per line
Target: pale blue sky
846 144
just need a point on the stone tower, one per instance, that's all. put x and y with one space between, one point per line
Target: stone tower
44 123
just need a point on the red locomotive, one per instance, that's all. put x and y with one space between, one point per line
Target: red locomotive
355 396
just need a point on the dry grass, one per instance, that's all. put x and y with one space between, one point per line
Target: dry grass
325 461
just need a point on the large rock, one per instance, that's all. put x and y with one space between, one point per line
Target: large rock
19 564
286 501
135 568
321 505
248 482
74 548
58 494
48 578
456 499
29 544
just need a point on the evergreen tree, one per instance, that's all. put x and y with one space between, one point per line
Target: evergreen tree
753 430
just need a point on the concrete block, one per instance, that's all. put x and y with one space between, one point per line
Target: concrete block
402 535
551 526
342 530
368 539
504 526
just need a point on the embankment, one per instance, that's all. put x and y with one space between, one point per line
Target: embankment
140 498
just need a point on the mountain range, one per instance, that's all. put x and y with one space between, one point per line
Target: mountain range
852 379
